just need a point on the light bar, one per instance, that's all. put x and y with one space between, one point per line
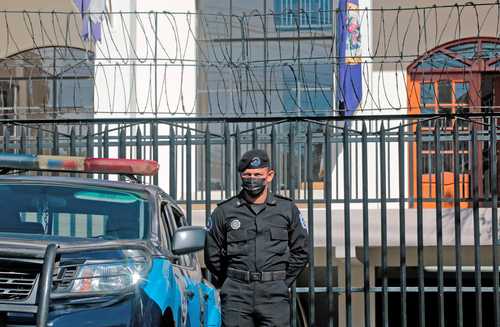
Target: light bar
78 164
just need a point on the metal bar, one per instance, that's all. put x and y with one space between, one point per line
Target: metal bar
266 60
254 136
122 150
274 158
39 141
173 163
55 151
72 142
310 222
366 228
420 229
43 296
291 160
156 63
208 171
291 176
138 148
347 228
72 152
494 217
475 213
22 145
383 229
237 155
154 134
439 219
227 160
39 145
6 138
105 144
240 119
458 229
89 146
402 225
189 189
122 139
328 217
411 181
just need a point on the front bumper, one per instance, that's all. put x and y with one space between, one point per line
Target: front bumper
133 310
43 308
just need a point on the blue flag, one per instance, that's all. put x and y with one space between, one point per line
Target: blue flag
349 89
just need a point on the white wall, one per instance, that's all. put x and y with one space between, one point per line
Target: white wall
125 75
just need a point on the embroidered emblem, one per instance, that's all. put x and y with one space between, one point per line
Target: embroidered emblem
235 224
209 223
303 222
255 162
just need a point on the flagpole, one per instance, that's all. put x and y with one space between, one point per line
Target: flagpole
335 5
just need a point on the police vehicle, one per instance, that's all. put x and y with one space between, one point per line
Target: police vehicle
85 252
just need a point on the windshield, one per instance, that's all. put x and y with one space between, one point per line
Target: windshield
68 211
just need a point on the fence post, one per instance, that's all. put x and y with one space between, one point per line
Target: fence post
328 217
402 224
347 225
439 219
173 163
208 176
310 222
189 202
494 215
458 227
420 230
477 234
366 227
383 229
227 160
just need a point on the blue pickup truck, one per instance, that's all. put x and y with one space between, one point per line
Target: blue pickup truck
88 252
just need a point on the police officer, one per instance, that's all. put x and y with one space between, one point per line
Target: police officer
256 247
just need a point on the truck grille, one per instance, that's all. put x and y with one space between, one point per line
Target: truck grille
64 278
16 283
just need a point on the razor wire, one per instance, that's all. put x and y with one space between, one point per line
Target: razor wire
262 62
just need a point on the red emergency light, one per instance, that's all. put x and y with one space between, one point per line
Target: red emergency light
78 164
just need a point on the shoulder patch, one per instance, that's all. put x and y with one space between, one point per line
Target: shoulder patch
279 196
303 222
226 200
210 223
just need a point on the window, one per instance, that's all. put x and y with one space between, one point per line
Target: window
308 89
81 212
307 14
441 96
456 77
48 79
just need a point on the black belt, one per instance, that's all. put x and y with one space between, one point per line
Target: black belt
254 276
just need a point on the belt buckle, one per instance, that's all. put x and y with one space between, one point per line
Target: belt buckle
255 276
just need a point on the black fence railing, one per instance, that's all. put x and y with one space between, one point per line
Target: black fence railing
402 211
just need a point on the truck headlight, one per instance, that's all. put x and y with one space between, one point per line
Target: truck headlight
105 278
101 276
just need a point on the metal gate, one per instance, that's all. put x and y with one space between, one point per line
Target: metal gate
402 210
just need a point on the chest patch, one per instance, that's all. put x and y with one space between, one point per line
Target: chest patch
235 224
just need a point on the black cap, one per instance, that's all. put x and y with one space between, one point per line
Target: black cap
253 159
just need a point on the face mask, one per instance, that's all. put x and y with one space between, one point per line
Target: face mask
253 186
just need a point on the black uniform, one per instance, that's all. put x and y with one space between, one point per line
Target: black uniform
256 252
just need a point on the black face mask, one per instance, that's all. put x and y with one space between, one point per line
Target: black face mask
253 186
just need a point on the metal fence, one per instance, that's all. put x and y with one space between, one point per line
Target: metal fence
401 210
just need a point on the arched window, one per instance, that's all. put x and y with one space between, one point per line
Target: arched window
47 82
459 76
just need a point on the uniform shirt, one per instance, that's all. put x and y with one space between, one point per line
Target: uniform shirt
271 237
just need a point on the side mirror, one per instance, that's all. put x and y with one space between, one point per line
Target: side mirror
188 239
